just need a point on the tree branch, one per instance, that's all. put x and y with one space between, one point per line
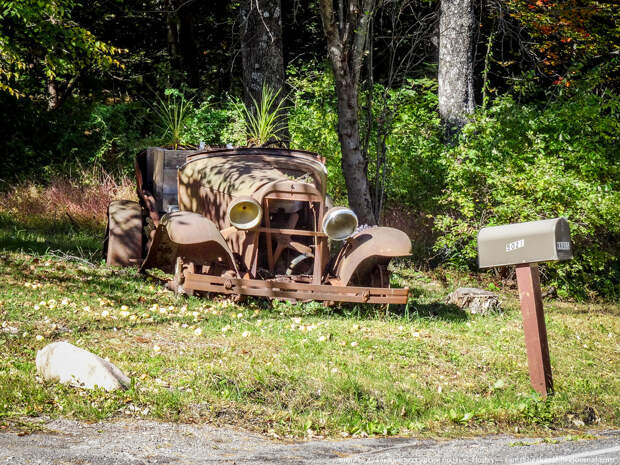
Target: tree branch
361 35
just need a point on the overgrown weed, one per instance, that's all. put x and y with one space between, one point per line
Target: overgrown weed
81 199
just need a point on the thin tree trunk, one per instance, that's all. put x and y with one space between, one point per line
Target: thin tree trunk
187 44
52 94
261 50
346 40
456 69
172 32
354 164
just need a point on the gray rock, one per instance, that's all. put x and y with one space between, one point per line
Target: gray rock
475 301
68 364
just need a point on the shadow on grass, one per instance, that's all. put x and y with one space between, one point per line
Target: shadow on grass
43 235
433 309
437 310
40 236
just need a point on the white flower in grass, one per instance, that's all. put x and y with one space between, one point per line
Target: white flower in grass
86 308
198 331
124 314
124 308
322 338
156 348
226 328
39 337
36 307
354 344
64 301
42 303
105 314
245 334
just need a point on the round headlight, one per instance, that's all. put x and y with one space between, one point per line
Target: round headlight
245 213
339 223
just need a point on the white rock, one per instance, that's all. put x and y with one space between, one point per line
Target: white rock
64 362
475 301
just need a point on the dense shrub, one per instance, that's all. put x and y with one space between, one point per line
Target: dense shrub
414 148
520 163
211 124
41 144
114 134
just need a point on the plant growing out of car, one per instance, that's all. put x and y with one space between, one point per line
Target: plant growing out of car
172 113
264 120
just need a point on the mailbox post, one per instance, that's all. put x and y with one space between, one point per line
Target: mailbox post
525 245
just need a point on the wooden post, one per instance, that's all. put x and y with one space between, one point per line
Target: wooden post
534 328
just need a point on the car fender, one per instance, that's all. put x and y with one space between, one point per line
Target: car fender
188 235
367 248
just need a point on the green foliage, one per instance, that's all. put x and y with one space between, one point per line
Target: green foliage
208 123
513 163
313 121
520 163
115 134
265 121
74 136
171 115
415 171
39 38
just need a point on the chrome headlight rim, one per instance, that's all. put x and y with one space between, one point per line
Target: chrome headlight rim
331 214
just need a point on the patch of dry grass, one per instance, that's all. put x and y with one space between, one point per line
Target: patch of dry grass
82 199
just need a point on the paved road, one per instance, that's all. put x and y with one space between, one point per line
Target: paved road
146 442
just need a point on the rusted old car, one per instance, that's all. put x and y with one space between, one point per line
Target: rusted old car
250 221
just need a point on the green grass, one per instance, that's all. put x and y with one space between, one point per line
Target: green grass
290 370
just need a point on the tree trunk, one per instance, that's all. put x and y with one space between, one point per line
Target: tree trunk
354 164
261 50
346 42
52 94
187 45
456 69
172 31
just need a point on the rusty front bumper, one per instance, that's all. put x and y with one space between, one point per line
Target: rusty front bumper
293 290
